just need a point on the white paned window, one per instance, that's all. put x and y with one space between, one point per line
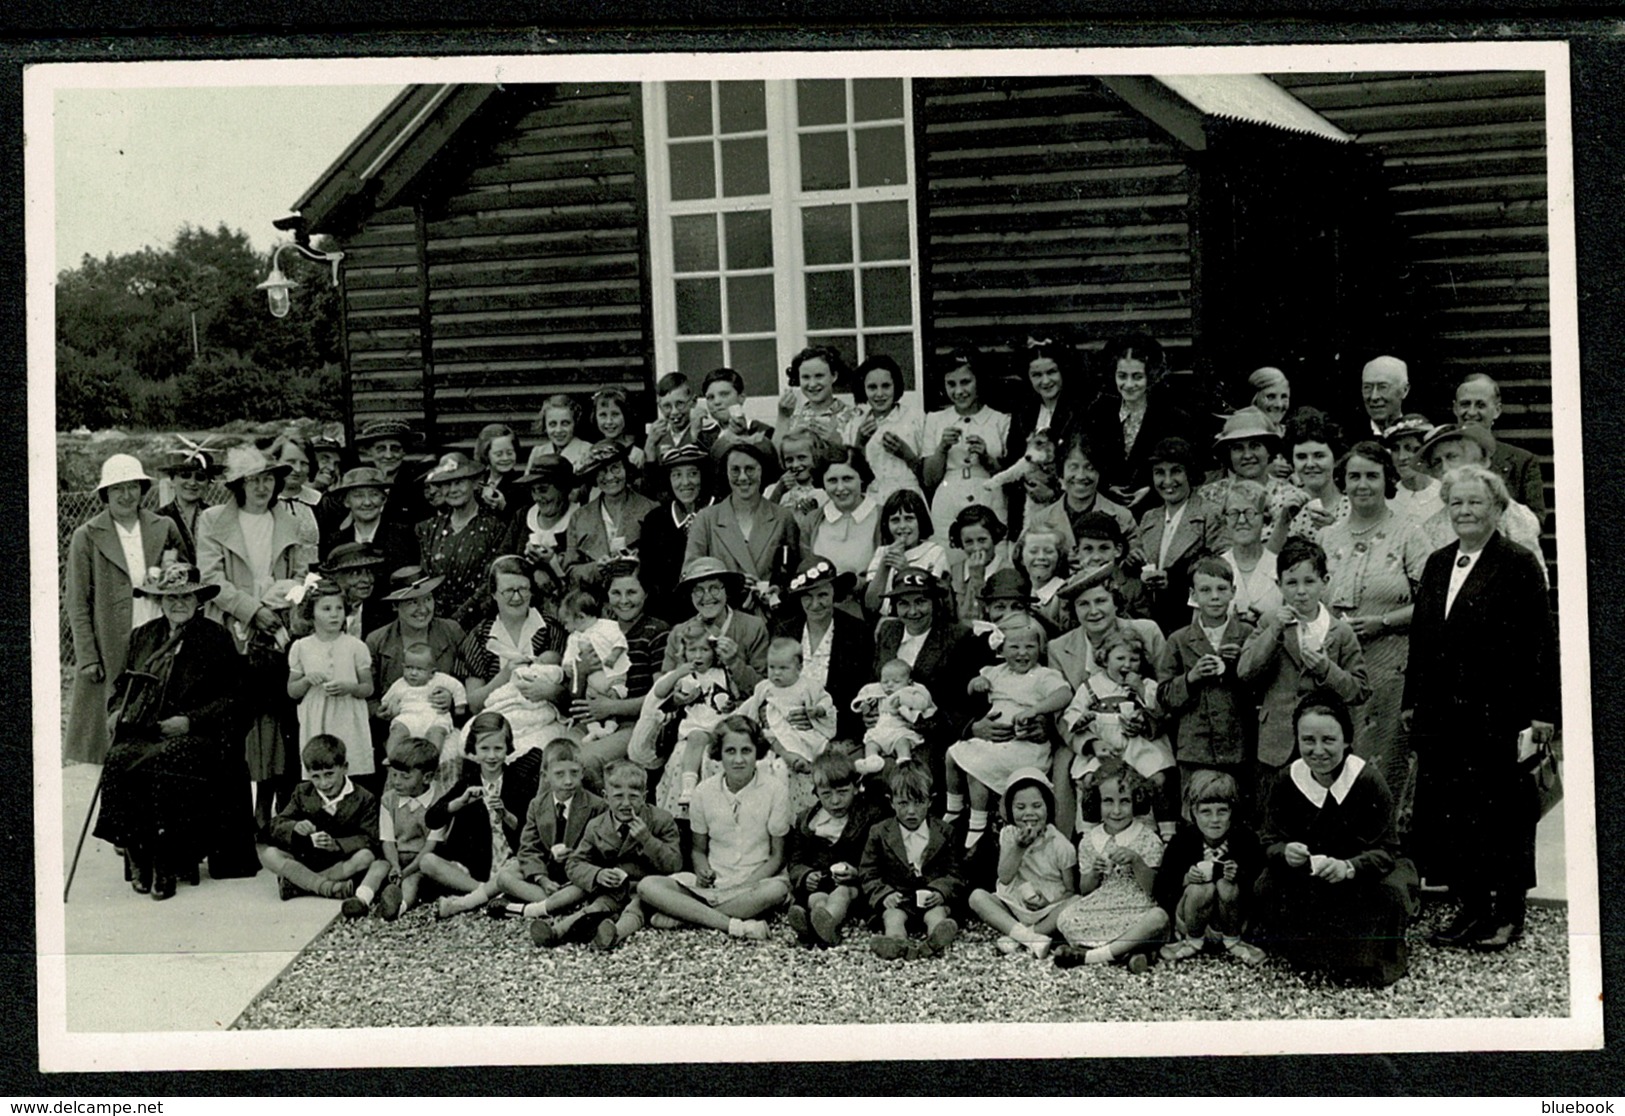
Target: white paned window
782 214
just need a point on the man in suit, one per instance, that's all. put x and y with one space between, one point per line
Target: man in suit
1478 403
1384 383
1482 669
534 883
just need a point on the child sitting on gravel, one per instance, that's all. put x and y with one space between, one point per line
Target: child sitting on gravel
621 846
1038 868
1208 870
740 818
402 830
323 839
910 872
826 847
534 884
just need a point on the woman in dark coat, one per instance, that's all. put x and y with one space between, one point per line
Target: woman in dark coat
1482 668
1057 404
1334 893
837 648
1123 428
943 655
664 538
175 788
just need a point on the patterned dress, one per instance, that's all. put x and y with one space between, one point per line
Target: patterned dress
1107 912
462 558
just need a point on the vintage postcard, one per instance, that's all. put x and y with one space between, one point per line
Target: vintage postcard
268 297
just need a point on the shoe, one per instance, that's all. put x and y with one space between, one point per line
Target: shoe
194 877
605 937
138 870
1040 949
498 907
1494 939
1007 945
1068 956
337 889
1245 952
163 886
801 923
1139 963
825 926
888 948
584 929
660 920
1182 950
919 951
286 889
353 908
129 864
442 909
542 933
869 765
942 935
1468 924
388 906
753 929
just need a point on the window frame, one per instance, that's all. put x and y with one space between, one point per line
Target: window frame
784 203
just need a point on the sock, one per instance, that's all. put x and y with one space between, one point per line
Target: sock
955 804
1100 955
519 908
533 910
978 826
365 894
736 928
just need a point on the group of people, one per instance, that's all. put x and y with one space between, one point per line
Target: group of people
1122 682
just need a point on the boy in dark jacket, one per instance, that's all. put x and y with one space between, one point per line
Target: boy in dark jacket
1207 872
825 849
910 872
324 838
627 842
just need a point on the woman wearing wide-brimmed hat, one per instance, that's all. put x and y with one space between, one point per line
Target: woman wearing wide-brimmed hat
190 467
610 524
107 557
175 787
383 444
361 494
1245 446
741 639
540 530
837 648
250 541
751 536
663 538
411 595
459 543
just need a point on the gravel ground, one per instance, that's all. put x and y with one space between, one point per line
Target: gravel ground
476 971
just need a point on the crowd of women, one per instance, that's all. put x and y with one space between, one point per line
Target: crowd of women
1102 578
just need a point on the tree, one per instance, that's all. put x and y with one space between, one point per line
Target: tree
180 337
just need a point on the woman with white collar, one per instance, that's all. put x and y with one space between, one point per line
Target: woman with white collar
107 558
517 634
846 530
1334 893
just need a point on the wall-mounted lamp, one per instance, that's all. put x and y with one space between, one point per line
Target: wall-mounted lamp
277 285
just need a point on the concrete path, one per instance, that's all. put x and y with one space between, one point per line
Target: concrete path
191 963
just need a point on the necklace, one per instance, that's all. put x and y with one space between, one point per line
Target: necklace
1367 529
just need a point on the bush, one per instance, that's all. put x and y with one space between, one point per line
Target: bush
91 389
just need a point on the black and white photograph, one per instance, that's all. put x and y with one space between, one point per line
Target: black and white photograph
817 556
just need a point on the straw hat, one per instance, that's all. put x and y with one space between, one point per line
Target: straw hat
364 477
454 466
351 556
243 462
606 452
1450 431
379 429
410 584
820 571
1249 422
707 569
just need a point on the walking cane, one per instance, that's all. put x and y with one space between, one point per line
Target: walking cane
84 830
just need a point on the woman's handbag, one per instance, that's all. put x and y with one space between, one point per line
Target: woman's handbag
1545 770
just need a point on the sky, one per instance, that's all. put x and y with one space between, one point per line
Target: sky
134 165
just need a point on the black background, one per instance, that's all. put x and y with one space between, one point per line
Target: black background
33 31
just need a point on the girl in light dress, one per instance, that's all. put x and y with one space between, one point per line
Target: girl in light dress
1020 695
965 445
1037 872
1114 918
330 676
1112 716
906 542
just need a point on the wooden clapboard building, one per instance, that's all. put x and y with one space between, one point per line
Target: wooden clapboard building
507 242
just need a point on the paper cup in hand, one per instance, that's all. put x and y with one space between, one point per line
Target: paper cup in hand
1125 709
923 896
560 851
842 871
1204 869
1315 861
